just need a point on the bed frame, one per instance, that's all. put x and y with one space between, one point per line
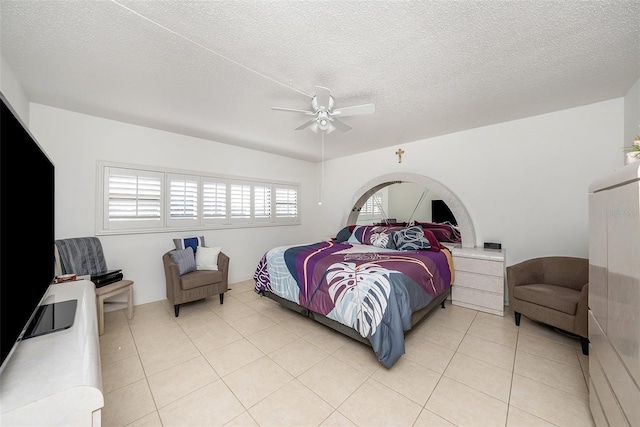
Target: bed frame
416 316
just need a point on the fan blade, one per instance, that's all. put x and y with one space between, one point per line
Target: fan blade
330 128
314 126
309 113
340 125
306 124
356 110
323 97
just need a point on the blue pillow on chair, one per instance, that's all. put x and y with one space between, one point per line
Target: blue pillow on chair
192 242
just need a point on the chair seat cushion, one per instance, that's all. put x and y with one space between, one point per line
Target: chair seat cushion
199 278
555 297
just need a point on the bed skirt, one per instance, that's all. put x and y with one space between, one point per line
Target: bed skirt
416 317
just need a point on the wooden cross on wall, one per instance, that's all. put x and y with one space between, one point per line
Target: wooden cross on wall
399 153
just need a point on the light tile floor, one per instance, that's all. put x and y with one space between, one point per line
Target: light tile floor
251 362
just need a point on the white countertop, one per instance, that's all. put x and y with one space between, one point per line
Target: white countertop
55 378
479 253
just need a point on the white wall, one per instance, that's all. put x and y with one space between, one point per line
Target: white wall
523 182
76 142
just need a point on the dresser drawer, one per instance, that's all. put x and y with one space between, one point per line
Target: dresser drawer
614 374
602 400
479 281
480 266
477 299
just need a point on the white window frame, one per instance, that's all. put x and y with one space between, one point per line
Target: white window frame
136 220
372 211
212 199
288 216
266 196
219 202
246 213
184 193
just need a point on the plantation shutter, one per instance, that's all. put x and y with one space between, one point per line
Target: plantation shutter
214 201
183 200
286 203
133 196
240 202
262 202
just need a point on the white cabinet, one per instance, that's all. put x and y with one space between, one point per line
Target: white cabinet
478 279
55 379
614 298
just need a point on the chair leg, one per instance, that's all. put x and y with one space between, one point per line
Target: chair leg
176 308
130 303
517 316
585 345
222 298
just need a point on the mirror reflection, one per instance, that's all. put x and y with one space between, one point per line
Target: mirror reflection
405 202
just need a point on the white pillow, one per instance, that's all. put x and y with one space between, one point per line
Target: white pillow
207 258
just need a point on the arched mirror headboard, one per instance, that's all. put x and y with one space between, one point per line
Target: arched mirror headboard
458 209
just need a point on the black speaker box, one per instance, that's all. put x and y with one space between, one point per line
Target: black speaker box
491 245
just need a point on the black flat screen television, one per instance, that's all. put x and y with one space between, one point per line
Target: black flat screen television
441 213
27 263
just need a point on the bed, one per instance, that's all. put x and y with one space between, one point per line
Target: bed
372 283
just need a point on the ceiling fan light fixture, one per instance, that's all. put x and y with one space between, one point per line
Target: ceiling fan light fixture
325 118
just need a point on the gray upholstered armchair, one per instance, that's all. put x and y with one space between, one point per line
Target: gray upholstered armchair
553 290
197 284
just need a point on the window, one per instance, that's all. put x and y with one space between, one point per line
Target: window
214 201
261 202
240 201
138 199
183 199
133 199
372 209
286 202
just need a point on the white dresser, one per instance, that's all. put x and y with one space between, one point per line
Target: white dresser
55 379
614 298
479 279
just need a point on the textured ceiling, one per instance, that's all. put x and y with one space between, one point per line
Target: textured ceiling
214 69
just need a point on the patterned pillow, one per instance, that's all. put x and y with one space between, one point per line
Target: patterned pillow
375 235
382 239
184 259
194 242
410 239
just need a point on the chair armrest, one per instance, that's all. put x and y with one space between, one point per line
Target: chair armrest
223 262
223 267
172 275
581 322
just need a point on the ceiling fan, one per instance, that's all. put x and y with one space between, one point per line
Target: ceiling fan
325 118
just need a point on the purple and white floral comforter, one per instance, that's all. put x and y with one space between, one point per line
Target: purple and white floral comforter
370 289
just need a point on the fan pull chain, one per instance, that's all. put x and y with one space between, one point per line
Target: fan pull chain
321 185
